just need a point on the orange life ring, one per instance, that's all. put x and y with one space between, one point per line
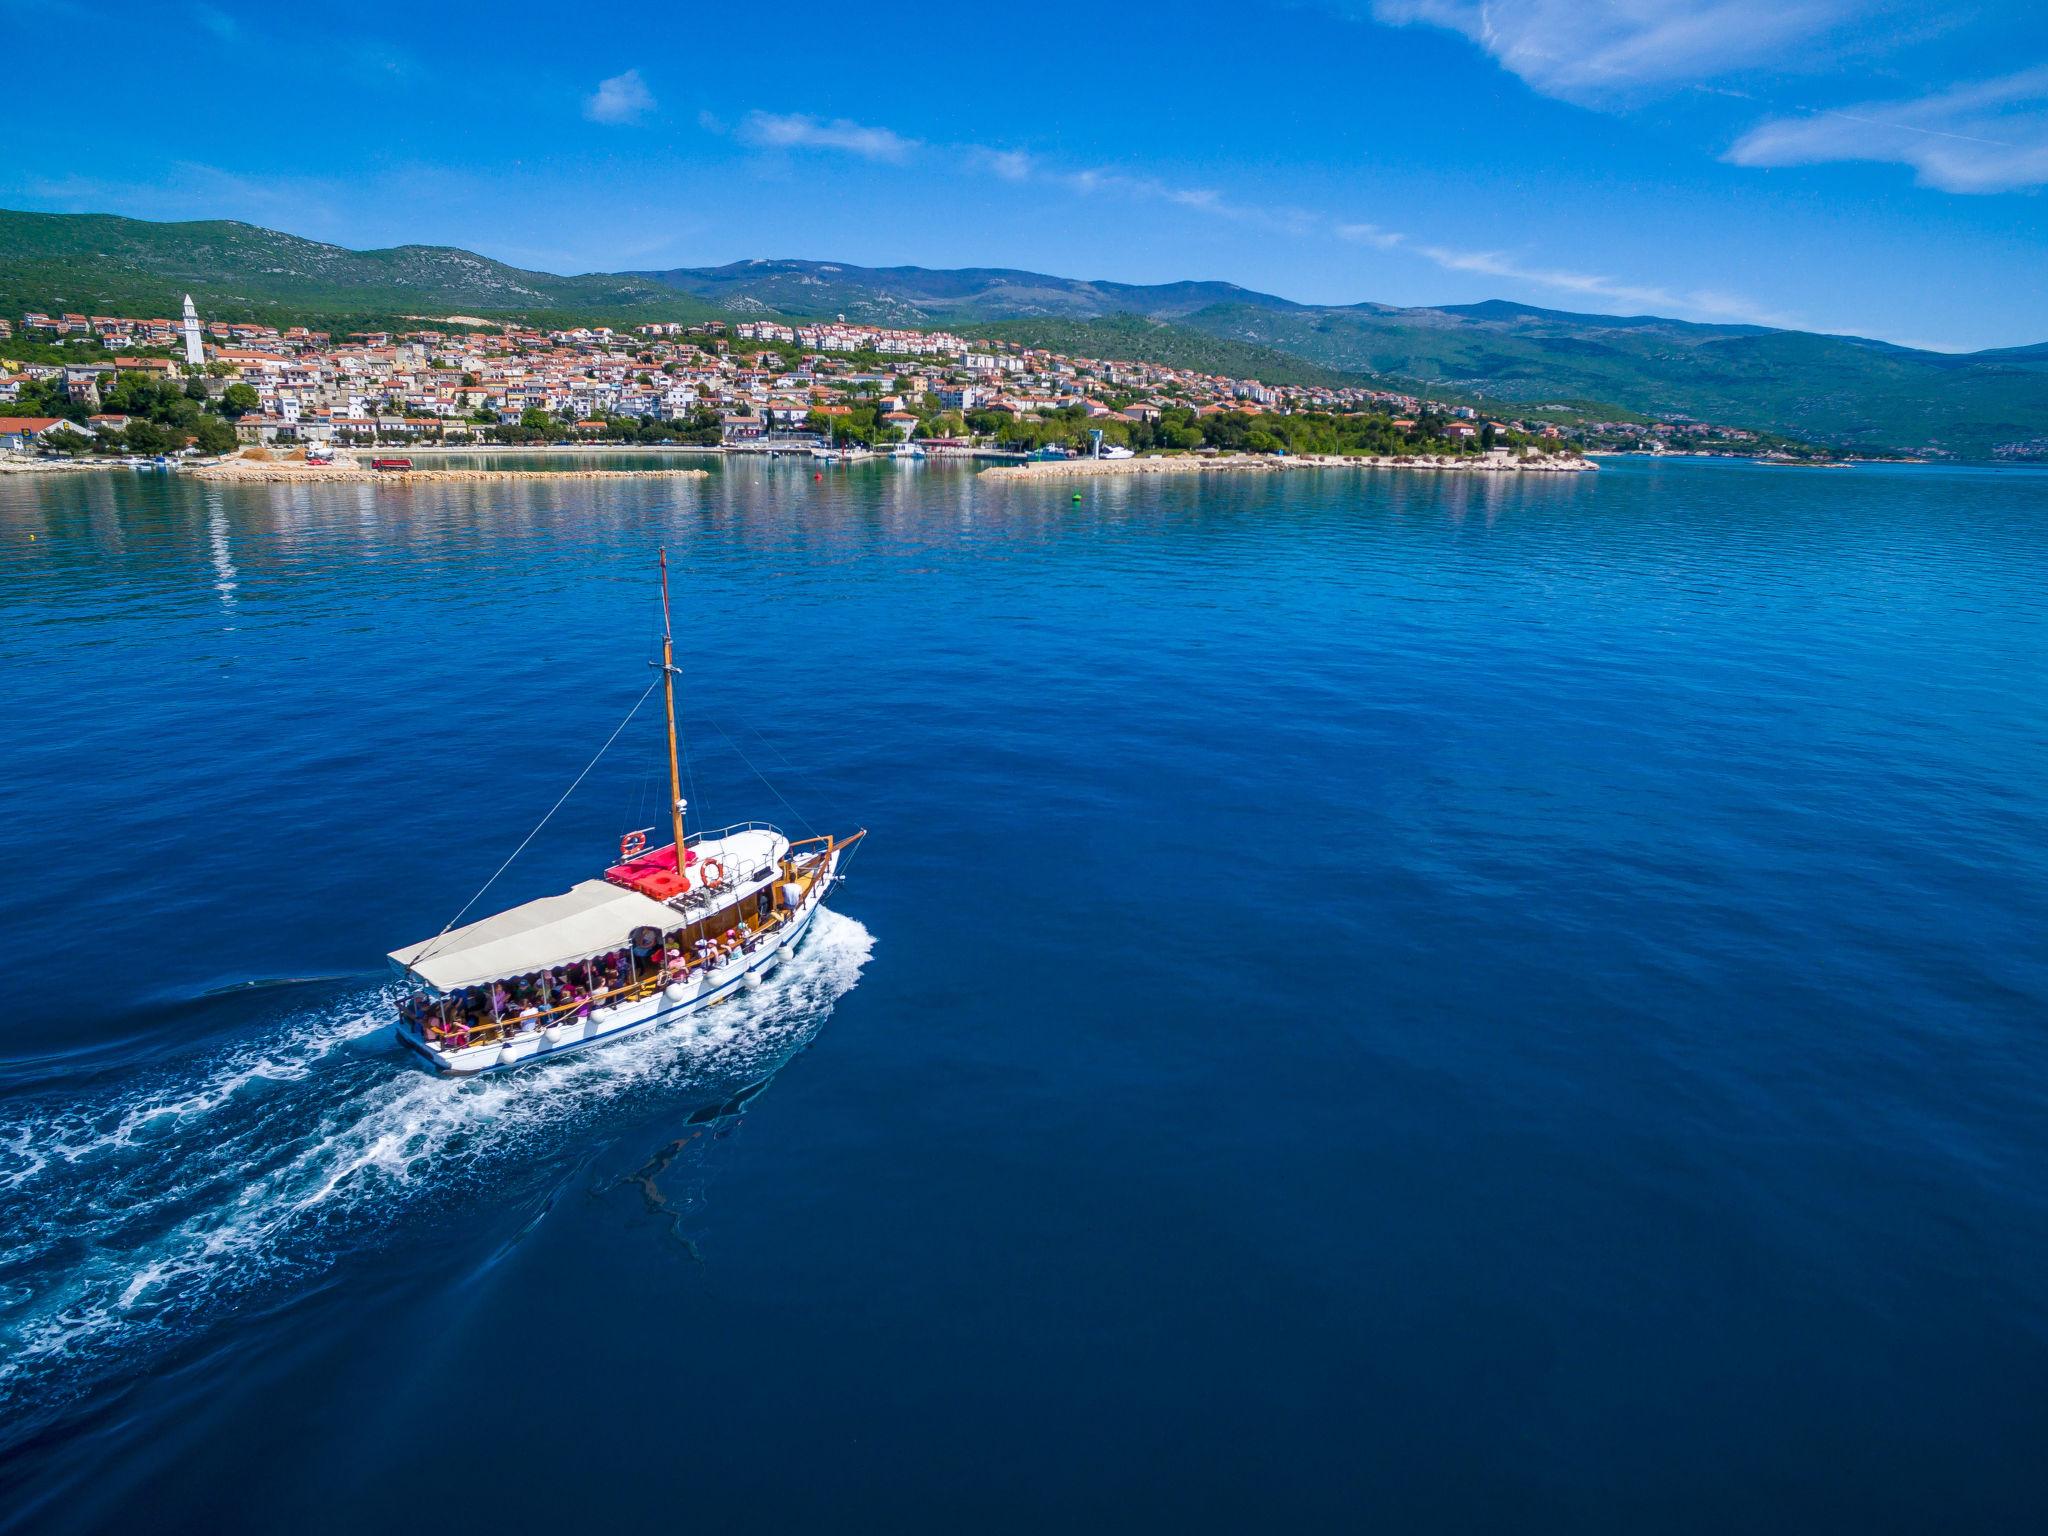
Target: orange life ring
704 872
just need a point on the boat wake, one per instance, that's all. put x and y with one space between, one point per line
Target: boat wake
131 1222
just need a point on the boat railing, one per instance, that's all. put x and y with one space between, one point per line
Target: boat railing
695 838
497 1030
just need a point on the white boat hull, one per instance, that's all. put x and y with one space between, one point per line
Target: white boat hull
676 1001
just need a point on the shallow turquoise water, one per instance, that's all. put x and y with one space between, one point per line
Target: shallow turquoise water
1452 1002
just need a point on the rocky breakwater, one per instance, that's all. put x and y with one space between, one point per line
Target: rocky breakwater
349 471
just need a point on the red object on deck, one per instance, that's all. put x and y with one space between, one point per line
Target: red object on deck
653 874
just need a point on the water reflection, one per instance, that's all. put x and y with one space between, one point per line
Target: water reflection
224 573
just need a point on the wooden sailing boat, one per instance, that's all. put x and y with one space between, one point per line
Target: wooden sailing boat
666 932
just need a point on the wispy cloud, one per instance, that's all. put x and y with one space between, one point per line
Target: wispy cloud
1009 164
219 23
620 100
1982 136
1591 50
1016 165
1369 234
1020 167
795 130
1697 304
1989 136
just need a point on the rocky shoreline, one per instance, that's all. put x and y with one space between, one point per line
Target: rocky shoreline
1171 464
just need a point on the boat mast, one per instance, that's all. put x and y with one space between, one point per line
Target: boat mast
668 688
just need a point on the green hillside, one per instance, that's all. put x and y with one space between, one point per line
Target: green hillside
1138 339
1835 389
928 296
98 262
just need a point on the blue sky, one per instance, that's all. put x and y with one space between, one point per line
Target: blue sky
1875 168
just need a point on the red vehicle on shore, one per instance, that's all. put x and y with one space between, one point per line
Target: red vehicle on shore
391 463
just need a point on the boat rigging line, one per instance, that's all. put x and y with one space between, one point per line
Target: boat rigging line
479 896
778 794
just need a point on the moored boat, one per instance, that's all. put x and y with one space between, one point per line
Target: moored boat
666 932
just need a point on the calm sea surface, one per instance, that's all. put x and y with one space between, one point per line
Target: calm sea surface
1428 1003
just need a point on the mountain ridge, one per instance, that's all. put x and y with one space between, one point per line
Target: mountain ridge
1851 392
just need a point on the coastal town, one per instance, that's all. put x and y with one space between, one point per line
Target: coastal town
157 386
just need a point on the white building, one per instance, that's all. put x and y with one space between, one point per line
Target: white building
194 357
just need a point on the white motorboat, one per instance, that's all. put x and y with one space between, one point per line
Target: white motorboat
666 932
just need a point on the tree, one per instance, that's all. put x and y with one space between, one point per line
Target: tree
195 388
145 436
239 400
212 435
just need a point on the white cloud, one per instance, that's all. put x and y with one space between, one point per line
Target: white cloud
1013 165
1021 167
619 100
1009 164
219 23
1696 304
1588 50
795 130
1018 166
1990 136
1369 234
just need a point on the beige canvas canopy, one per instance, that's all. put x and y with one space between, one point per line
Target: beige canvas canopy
584 920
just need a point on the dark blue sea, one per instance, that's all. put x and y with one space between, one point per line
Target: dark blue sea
1370 1001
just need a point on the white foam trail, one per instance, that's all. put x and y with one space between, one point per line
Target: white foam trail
133 1221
